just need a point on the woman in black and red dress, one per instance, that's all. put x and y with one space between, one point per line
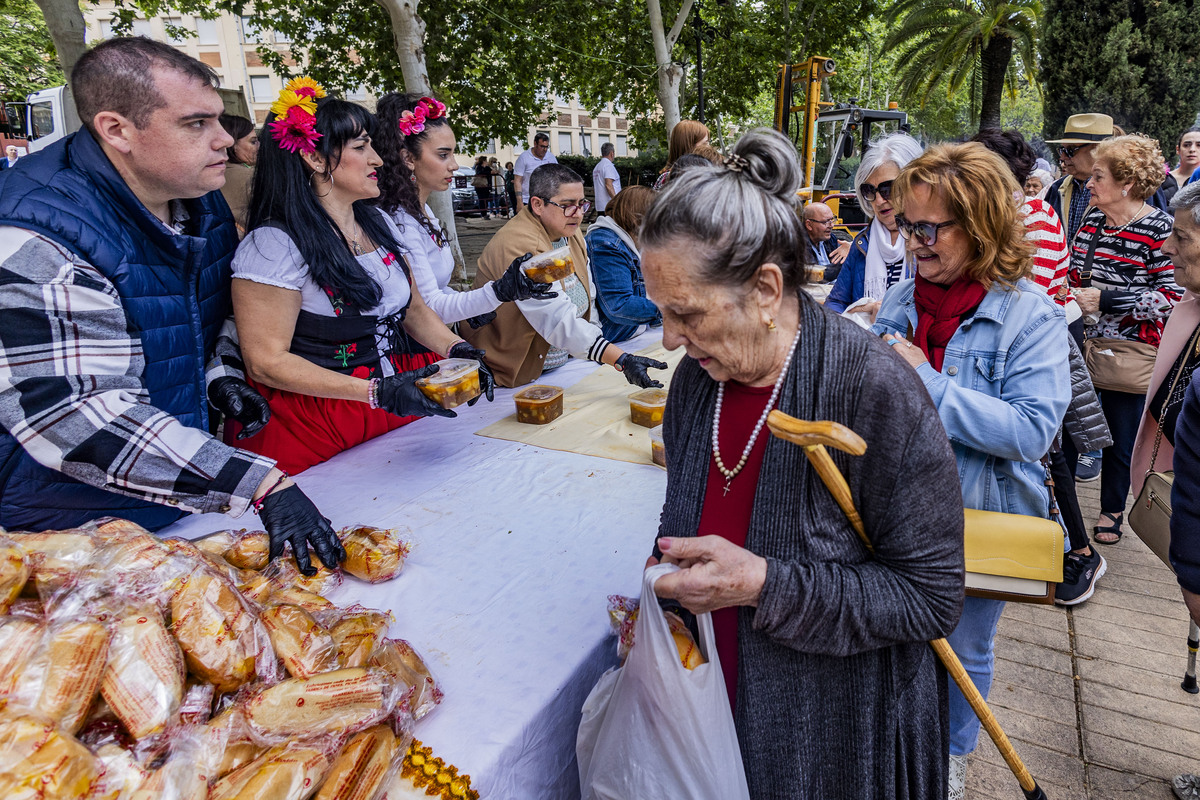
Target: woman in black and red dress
323 298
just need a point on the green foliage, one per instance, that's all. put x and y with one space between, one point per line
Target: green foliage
28 61
977 46
1135 60
640 169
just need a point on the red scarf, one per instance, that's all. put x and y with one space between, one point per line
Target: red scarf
940 310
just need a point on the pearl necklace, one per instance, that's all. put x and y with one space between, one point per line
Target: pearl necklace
1136 216
730 474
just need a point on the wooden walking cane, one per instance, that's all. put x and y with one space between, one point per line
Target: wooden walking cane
813 436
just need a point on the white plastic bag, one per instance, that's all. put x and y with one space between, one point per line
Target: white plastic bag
653 729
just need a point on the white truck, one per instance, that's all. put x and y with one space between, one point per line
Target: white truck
50 113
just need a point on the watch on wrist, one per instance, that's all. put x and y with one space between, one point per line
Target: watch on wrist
620 363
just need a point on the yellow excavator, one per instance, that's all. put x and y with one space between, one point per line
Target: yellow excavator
829 136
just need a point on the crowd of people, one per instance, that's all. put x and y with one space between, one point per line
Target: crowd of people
170 267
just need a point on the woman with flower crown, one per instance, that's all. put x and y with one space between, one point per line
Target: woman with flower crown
323 298
417 144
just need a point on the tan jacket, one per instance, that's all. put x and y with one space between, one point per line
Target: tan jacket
515 351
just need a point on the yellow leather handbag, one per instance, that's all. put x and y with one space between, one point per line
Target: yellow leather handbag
1012 556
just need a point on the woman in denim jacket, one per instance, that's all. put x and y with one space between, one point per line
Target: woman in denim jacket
991 349
615 266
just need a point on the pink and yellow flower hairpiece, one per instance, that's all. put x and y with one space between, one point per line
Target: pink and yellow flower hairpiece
295 125
414 121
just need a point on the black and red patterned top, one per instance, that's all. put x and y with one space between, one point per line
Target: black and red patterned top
1135 278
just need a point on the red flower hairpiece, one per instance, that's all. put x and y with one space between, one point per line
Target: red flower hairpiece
414 121
295 125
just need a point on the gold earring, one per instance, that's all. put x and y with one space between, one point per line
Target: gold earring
771 325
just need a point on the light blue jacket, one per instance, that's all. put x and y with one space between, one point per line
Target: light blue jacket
1002 392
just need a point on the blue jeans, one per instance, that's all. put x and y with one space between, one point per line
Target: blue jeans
972 643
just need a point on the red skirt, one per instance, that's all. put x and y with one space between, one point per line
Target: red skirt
306 430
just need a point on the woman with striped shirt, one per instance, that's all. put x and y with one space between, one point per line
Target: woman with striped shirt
1126 289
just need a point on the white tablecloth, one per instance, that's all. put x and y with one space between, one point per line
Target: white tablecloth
515 551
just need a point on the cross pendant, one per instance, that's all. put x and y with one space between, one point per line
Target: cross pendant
727 482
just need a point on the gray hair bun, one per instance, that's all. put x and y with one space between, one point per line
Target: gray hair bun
767 158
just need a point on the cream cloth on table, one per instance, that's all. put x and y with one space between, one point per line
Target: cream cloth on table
595 420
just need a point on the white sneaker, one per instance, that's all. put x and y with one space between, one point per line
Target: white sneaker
957 778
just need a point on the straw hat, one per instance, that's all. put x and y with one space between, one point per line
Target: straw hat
1085 129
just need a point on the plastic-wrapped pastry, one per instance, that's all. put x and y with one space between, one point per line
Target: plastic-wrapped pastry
342 700
373 554
305 647
143 682
215 630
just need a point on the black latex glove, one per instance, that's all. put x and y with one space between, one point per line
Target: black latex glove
291 517
400 395
238 400
514 284
487 381
635 368
483 319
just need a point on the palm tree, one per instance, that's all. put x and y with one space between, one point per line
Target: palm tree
987 45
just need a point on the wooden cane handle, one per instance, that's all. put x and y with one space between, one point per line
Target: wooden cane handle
803 433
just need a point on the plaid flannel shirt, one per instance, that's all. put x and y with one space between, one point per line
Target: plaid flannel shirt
72 395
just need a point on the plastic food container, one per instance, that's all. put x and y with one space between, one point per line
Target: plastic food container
658 453
816 274
550 267
455 382
539 405
646 407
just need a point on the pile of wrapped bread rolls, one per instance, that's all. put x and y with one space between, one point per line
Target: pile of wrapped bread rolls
133 667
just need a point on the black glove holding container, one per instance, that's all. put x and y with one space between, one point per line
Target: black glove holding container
635 369
514 284
400 395
487 381
290 517
238 400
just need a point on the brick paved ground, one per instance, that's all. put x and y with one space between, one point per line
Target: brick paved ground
1090 696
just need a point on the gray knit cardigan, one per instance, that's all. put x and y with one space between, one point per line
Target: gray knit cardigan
838 693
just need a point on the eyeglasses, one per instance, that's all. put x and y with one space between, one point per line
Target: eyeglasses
926 232
571 209
1069 151
869 190
823 222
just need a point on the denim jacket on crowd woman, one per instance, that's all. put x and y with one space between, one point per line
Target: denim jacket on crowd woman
1002 391
616 271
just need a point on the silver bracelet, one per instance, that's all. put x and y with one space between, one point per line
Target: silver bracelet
373 393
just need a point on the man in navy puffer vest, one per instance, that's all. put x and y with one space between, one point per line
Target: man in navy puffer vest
115 248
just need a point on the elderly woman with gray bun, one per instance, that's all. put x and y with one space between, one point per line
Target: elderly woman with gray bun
835 692
877 260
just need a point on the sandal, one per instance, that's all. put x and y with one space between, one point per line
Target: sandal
1114 529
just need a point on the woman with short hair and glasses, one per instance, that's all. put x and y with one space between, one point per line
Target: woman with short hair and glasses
991 348
877 260
529 337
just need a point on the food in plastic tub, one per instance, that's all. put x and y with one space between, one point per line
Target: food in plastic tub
249 551
539 405
550 266
39 762
305 647
373 554
14 572
143 682
215 630
342 700
815 274
455 382
658 451
77 652
362 767
646 407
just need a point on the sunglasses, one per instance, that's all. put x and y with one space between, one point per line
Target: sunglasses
869 190
926 232
1070 150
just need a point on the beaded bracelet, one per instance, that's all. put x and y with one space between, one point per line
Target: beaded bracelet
373 393
257 504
